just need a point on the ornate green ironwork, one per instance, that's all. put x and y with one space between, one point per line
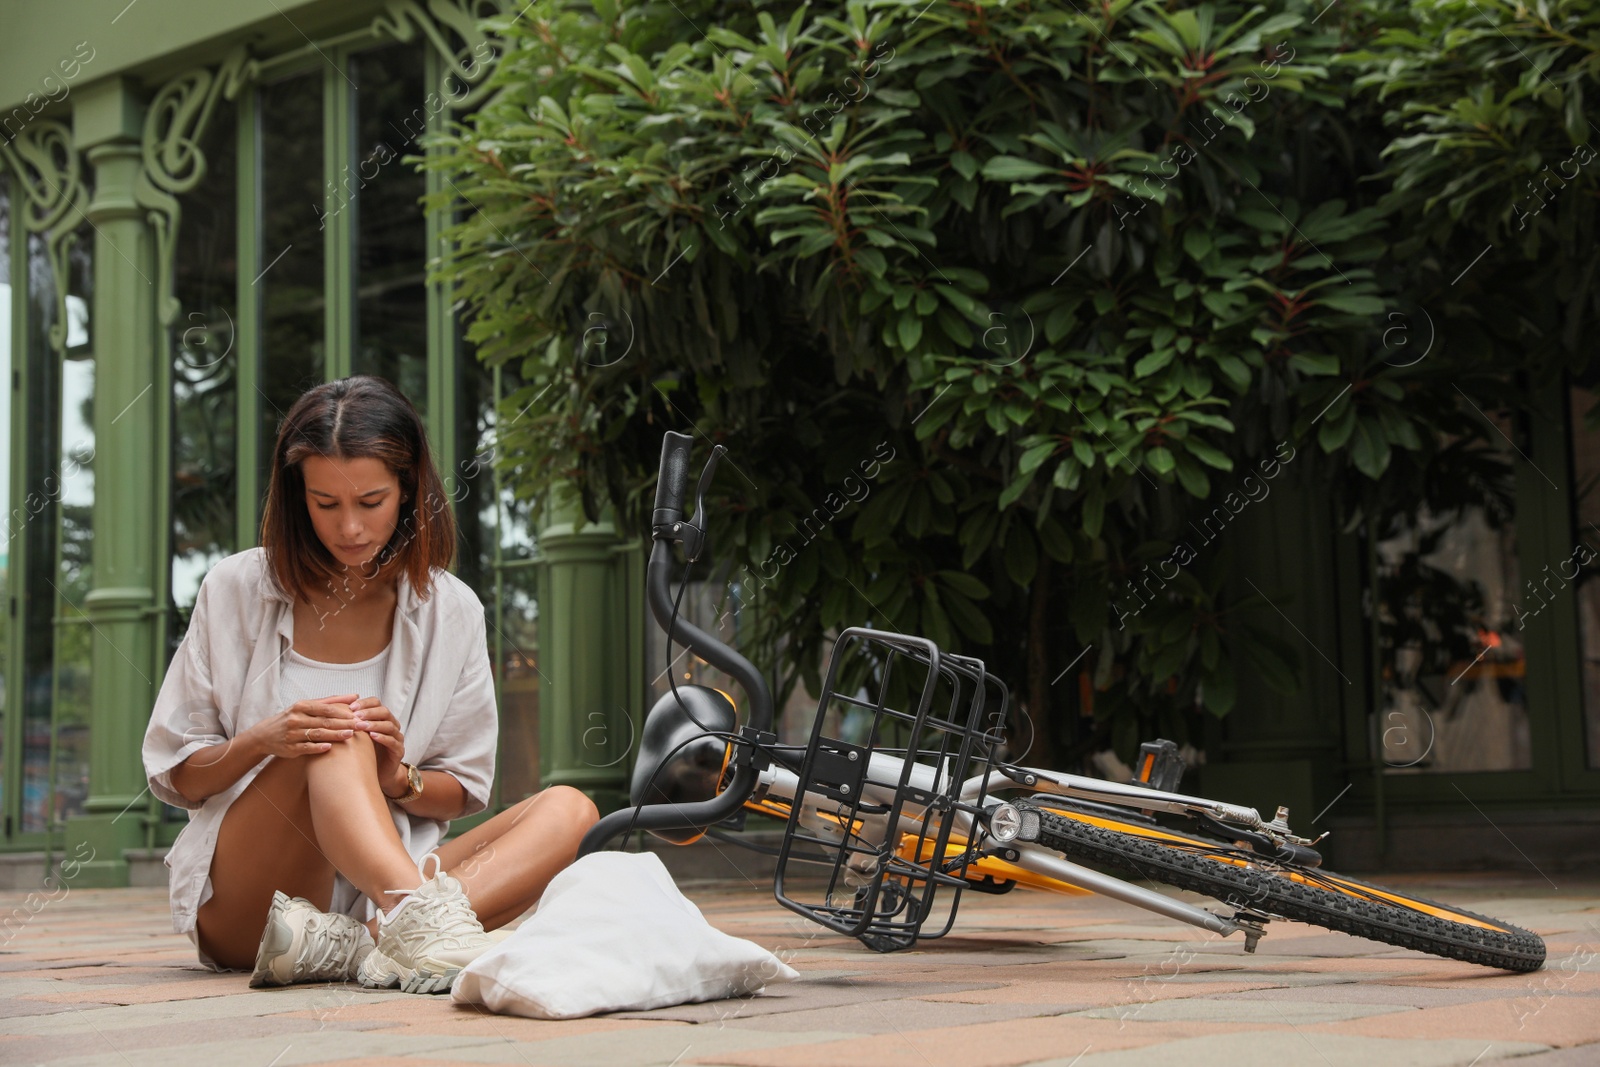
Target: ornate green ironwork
437 20
173 162
49 173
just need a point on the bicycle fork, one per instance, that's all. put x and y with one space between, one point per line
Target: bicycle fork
1041 860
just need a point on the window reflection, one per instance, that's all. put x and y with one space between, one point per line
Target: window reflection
1584 564
36 604
204 375
391 234
514 633
1454 666
290 250
8 530
55 527
471 483
73 632
518 642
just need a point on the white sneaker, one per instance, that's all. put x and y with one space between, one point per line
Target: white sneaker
302 944
433 934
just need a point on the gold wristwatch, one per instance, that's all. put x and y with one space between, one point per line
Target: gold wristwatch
414 777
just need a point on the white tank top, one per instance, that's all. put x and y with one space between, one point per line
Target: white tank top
309 679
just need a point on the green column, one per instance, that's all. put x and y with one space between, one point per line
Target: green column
127 403
591 596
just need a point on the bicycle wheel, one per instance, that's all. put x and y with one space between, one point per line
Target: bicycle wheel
1242 879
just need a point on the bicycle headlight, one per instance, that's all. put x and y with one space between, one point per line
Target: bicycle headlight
1009 823
1005 823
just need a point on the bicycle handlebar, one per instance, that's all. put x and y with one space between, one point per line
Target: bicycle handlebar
702 644
672 482
673 479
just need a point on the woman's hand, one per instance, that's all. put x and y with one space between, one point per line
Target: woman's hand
379 722
308 727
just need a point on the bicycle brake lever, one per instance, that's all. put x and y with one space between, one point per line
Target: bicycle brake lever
694 533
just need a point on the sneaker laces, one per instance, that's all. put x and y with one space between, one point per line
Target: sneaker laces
441 903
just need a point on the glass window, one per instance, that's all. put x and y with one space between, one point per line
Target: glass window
1583 566
204 375
391 233
37 518
53 526
75 462
472 484
514 640
1448 584
5 476
290 267
514 629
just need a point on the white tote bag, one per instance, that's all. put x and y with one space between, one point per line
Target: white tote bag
613 933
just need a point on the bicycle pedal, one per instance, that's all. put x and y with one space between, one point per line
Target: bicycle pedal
1159 766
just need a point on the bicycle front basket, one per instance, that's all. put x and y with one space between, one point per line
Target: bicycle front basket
879 813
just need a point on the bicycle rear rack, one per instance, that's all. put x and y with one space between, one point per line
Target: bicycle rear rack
897 782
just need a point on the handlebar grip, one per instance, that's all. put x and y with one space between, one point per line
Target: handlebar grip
673 479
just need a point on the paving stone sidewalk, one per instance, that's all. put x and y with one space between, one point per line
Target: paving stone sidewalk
96 977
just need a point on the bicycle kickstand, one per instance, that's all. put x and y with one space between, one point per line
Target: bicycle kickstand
1253 925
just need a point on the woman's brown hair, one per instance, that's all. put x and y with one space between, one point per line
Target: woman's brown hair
356 418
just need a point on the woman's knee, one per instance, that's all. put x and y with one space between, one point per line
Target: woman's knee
358 743
357 748
575 807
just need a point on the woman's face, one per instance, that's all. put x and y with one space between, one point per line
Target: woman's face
354 505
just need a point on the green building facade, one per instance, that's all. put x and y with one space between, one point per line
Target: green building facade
206 208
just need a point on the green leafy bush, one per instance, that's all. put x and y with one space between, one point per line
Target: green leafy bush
989 300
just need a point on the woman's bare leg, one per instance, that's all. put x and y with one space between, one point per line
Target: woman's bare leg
298 822
352 820
265 843
505 862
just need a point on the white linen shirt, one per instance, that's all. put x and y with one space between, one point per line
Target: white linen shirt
224 679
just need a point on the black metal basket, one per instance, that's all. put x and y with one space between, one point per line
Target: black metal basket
879 817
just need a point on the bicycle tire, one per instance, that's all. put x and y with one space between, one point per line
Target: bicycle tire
1290 892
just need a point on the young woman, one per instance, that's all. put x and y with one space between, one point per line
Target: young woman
330 710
